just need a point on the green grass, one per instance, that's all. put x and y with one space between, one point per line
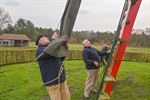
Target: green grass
23 81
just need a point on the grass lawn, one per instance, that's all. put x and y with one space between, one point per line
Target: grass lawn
23 81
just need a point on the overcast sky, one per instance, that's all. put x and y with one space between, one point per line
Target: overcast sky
97 15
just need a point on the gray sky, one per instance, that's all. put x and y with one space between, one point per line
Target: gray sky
97 15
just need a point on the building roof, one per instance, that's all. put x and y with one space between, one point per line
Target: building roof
13 37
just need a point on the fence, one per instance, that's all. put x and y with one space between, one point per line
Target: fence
16 56
21 56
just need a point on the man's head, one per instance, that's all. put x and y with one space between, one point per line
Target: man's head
104 44
86 43
42 40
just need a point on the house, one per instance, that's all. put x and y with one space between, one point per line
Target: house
14 40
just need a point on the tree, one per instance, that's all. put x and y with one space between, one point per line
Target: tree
9 29
1 31
20 26
26 27
5 18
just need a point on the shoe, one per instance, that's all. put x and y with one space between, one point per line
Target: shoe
95 90
104 96
86 96
109 79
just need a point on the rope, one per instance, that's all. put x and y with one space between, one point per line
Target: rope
60 24
61 64
59 73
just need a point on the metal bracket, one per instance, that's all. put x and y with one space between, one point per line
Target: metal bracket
133 2
122 40
115 58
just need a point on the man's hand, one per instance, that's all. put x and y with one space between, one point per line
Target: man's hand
108 51
96 63
55 35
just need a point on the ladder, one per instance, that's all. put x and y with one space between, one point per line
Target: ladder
120 43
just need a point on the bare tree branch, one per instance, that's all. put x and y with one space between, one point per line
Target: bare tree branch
5 18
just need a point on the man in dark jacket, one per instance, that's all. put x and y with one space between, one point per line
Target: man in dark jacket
92 61
52 71
105 48
108 78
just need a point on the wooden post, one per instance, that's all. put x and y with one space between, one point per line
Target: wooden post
21 43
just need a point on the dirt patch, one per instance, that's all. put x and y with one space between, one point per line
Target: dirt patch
129 79
46 97
71 89
83 98
2 73
6 90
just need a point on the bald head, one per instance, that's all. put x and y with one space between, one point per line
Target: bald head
44 41
86 43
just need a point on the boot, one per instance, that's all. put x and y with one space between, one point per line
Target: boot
104 96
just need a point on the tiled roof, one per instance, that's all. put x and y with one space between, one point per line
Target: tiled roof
13 37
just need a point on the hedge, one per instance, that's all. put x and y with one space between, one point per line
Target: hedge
21 56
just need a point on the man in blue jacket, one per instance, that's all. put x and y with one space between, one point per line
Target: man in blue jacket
92 60
52 71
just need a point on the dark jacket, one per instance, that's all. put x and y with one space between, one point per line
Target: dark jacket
105 49
49 67
90 55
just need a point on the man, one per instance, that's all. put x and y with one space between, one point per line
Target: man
105 48
52 71
108 78
92 60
